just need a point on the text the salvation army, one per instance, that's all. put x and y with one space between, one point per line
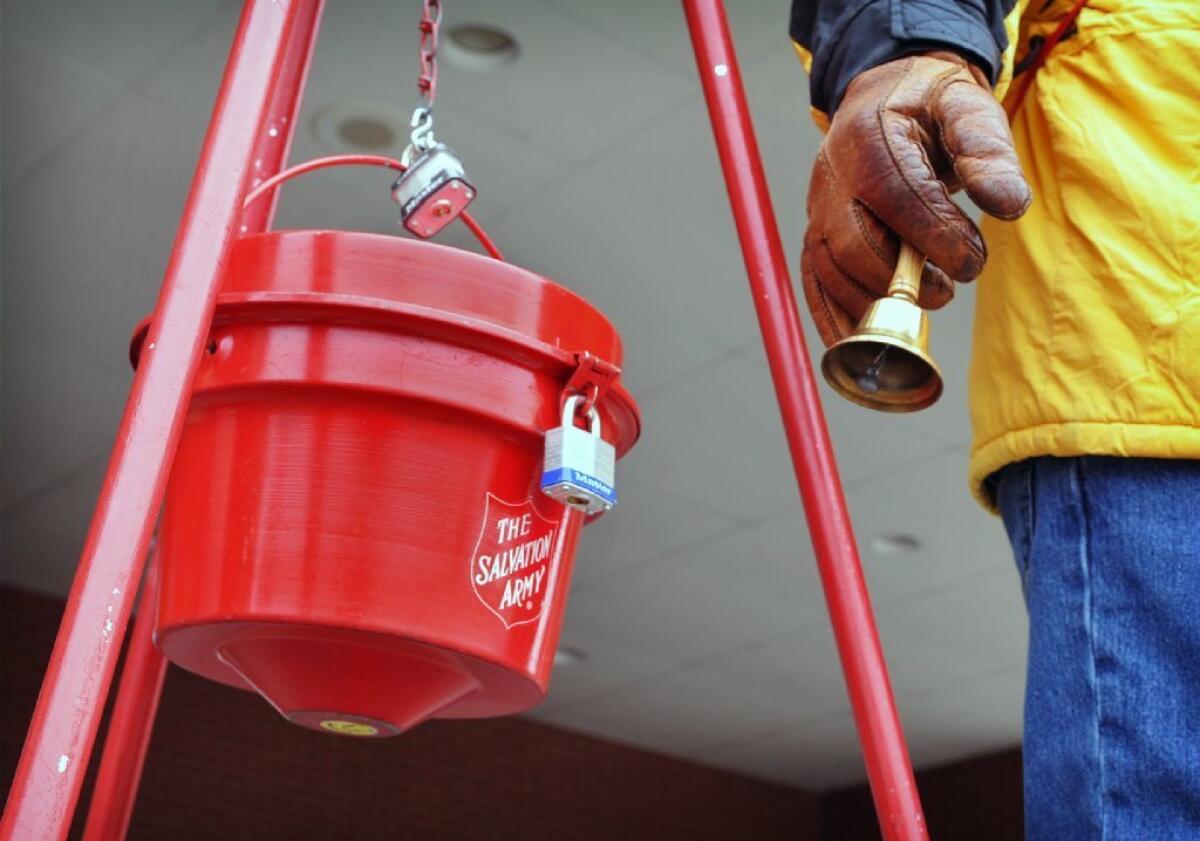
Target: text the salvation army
517 552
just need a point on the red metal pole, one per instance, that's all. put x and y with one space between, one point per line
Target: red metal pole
131 726
275 137
884 749
136 703
58 746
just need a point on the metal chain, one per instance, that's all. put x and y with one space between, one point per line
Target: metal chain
431 19
422 118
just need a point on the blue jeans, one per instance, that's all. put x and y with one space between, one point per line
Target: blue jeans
1108 551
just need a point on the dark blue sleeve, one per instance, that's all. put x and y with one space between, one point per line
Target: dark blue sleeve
846 37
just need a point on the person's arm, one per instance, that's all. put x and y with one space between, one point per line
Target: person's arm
845 37
907 85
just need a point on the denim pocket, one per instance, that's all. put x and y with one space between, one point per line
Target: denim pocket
1015 496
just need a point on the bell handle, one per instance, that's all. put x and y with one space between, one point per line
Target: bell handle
906 279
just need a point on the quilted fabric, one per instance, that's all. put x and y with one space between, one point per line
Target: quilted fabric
846 37
1087 314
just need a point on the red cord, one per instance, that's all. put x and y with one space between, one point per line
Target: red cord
1014 102
368 160
481 235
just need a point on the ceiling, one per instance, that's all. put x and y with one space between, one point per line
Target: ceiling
696 604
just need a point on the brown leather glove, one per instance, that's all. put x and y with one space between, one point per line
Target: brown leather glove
907 134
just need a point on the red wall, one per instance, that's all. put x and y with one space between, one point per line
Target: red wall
977 800
223 765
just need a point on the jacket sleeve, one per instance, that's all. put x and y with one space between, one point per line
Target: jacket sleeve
838 39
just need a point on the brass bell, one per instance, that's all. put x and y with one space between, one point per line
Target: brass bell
885 364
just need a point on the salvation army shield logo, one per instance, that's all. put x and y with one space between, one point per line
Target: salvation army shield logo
510 567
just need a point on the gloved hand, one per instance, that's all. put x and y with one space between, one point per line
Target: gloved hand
908 133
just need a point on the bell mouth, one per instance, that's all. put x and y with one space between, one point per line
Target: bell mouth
883 373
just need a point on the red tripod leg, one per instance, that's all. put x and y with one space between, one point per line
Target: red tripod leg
131 725
884 749
59 743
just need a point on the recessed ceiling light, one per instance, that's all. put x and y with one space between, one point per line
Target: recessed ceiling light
480 46
350 126
366 133
895 544
568 656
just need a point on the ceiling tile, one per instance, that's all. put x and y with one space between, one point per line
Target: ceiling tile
76 283
777 90
692 607
609 665
798 675
676 713
959 542
930 501
46 102
716 436
189 73
975 716
646 525
753 567
643 268
661 33
954 634
959 635
817 755
502 169
140 145
565 94
645 231
116 39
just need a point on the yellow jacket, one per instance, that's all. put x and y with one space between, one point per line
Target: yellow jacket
1087 320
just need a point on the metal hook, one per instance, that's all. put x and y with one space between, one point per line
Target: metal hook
422 128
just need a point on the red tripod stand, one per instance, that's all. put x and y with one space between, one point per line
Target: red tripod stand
248 137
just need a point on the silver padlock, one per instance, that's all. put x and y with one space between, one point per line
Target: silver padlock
579 465
433 191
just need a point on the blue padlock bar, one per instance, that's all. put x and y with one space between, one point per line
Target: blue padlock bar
574 477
